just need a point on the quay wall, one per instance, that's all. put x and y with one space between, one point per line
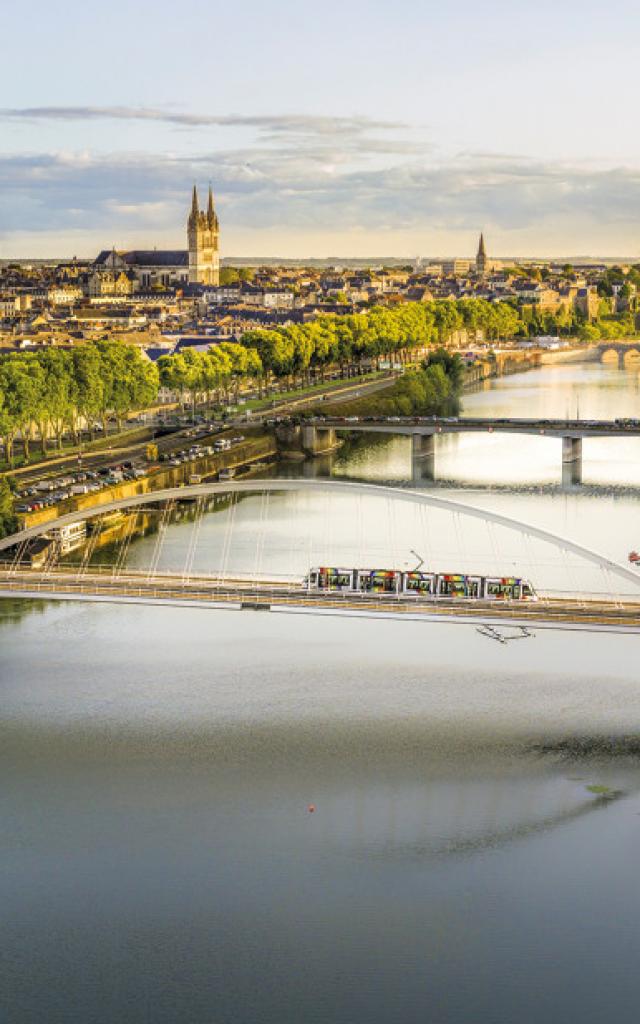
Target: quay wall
254 449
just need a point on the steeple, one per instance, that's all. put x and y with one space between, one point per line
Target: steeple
481 258
193 216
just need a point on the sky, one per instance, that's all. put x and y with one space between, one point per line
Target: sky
347 128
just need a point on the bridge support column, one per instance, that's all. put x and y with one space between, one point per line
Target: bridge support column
319 439
423 457
571 461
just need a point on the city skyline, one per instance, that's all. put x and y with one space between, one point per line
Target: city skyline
371 134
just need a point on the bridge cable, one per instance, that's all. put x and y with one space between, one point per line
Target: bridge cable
228 535
125 542
90 548
193 539
163 525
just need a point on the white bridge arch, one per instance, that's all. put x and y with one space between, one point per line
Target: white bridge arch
616 569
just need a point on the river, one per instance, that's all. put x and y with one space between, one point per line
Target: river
215 816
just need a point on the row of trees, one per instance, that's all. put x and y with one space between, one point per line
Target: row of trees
54 391
210 375
293 350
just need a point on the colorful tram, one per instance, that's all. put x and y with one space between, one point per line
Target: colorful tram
420 584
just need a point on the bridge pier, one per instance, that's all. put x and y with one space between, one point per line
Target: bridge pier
316 440
571 461
423 458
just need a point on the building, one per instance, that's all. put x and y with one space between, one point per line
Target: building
481 258
115 272
203 232
456 267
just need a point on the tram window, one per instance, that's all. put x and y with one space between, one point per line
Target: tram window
452 588
340 579
334 580
502 590
418 585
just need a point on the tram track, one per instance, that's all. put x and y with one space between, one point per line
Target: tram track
271 595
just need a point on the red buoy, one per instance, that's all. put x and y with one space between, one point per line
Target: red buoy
311 808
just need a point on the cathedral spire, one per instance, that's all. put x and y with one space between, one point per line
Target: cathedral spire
211 214
481 258
193 216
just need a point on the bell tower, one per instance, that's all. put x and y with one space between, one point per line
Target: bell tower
481 258
203 233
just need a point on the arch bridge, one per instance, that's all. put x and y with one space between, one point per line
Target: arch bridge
624 353
618 609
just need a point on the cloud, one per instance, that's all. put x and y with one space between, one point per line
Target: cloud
320 186
292 124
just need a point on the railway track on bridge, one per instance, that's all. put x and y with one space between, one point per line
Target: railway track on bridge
265 595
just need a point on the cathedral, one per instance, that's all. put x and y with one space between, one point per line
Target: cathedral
120 273
203 232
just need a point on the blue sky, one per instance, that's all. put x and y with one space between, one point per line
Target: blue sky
342 129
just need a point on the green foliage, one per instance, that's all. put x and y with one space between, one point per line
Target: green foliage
8 521
45 393
233 275
430 391
195 374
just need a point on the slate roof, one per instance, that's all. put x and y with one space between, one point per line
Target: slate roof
147 257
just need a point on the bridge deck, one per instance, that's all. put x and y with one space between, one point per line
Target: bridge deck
468 424
273 596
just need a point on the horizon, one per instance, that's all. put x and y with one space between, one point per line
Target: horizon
371 259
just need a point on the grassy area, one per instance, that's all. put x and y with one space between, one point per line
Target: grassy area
263 404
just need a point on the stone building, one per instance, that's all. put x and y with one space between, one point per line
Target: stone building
203 232
120 273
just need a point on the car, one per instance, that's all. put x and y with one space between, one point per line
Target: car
23 508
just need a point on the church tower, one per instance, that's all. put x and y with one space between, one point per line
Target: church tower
203 233
481 258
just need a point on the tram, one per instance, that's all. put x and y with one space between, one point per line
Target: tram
420 584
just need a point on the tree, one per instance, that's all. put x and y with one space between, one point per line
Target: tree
21 384
89 387
8 521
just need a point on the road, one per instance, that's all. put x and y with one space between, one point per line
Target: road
181 437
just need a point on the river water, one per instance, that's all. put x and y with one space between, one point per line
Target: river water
239 817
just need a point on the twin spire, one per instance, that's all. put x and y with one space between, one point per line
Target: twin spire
198 217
